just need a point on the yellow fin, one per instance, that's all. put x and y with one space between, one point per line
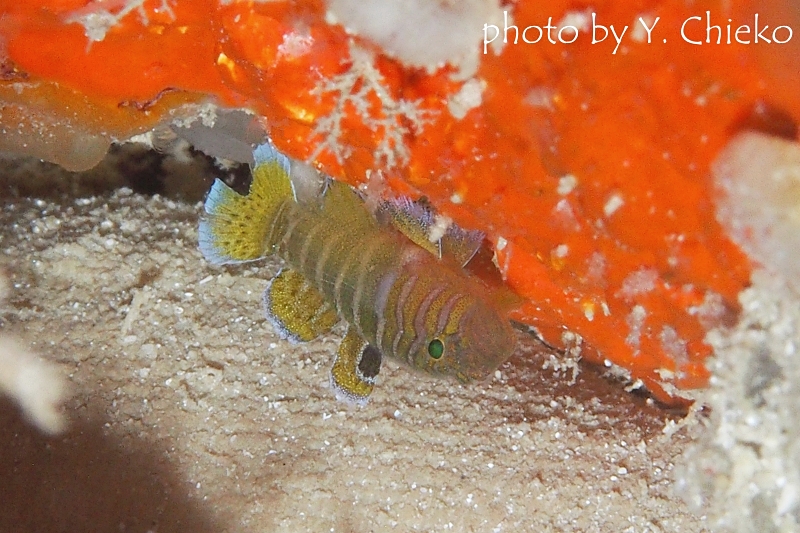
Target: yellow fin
344 207
355 369
236 228
296 309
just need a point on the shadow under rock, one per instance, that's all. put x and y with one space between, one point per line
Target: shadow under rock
592 388
87 481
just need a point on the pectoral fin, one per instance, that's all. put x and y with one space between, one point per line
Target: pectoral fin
355 370
296 309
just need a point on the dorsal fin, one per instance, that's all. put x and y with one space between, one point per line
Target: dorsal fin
307 182
343 206
435 233
461 244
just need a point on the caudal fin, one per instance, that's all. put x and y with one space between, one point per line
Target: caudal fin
235 228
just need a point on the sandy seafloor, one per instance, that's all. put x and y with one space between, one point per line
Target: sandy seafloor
187 412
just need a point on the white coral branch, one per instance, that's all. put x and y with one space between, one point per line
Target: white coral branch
97 21
389 121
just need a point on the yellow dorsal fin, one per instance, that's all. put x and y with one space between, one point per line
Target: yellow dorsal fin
343 206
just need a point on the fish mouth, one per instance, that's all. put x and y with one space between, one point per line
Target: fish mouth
475 374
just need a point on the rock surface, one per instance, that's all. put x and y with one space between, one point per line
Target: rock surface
189 414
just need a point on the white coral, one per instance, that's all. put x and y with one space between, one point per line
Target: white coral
97 20
355 88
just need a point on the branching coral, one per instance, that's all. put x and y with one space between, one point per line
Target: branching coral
98 20
361 89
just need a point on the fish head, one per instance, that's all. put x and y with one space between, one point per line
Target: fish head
471 346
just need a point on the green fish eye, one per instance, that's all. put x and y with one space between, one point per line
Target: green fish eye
436 348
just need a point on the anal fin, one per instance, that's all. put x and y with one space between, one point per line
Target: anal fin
355 369
297 309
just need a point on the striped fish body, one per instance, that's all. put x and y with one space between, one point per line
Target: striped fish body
400 299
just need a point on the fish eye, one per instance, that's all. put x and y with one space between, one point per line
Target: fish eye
436 348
